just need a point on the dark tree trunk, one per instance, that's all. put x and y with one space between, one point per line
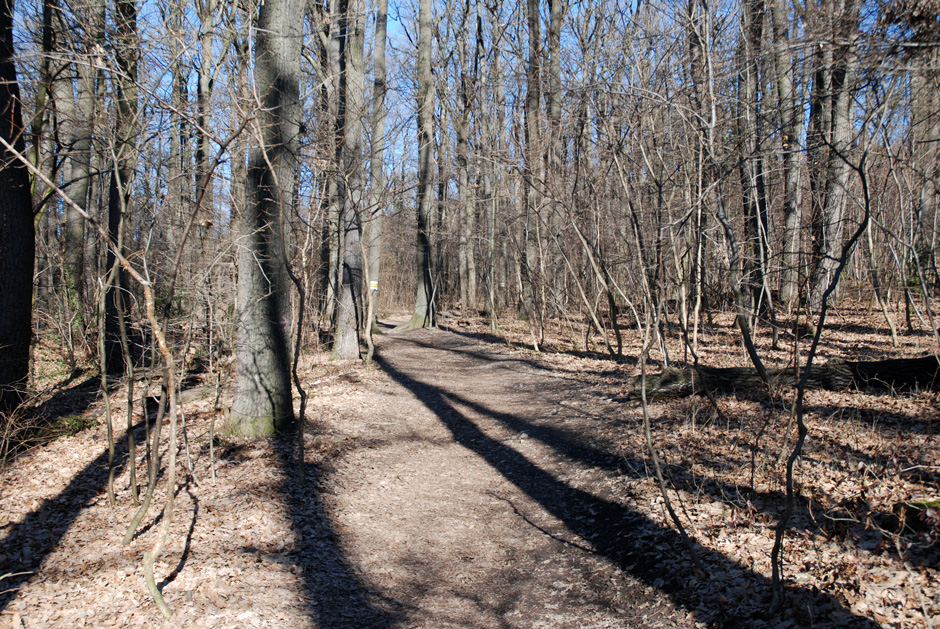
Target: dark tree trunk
17 235
122 175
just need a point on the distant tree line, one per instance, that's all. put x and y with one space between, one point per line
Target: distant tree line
255 160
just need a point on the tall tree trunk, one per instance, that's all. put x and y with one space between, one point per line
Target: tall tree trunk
462 130
76 117
697 30
791 131
424 312
17 236
837 96
751 165
533 161
349 300
206 10
122 172
262 402
372 228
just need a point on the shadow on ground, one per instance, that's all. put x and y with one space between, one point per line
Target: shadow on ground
628 538
336 596
26 544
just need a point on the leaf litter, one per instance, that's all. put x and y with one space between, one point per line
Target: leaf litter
425 503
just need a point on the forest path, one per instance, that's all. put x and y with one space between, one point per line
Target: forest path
475 494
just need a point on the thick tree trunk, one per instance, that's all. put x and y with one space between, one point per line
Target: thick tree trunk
75 119
17 236
897 374
122 174
262 404
424 314
349 300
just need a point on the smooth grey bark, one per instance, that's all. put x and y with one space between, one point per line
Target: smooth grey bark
262 403
372 221
75 119
349 314
751 164
424 312
837 96
17 235
791 129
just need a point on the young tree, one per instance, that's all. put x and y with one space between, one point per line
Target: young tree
262 404
372 221
17 236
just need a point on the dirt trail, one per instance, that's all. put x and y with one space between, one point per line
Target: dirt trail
461 483
476 493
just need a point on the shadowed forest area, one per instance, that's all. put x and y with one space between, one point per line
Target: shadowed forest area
476 313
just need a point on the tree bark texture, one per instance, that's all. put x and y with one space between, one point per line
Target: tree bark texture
834 88
262 404
372 222
17 235
122 173
424 303
791 130
350 184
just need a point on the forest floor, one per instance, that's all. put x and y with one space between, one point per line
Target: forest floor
464 480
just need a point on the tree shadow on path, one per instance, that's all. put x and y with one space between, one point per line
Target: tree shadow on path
628 538
336 597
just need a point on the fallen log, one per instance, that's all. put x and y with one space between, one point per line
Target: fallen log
896 374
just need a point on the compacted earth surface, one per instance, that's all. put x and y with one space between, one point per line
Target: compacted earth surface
463 480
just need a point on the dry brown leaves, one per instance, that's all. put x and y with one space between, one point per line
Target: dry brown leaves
868 457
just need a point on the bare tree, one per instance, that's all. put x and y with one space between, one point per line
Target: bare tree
262 402
350 183
831 138
17 245
424 311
